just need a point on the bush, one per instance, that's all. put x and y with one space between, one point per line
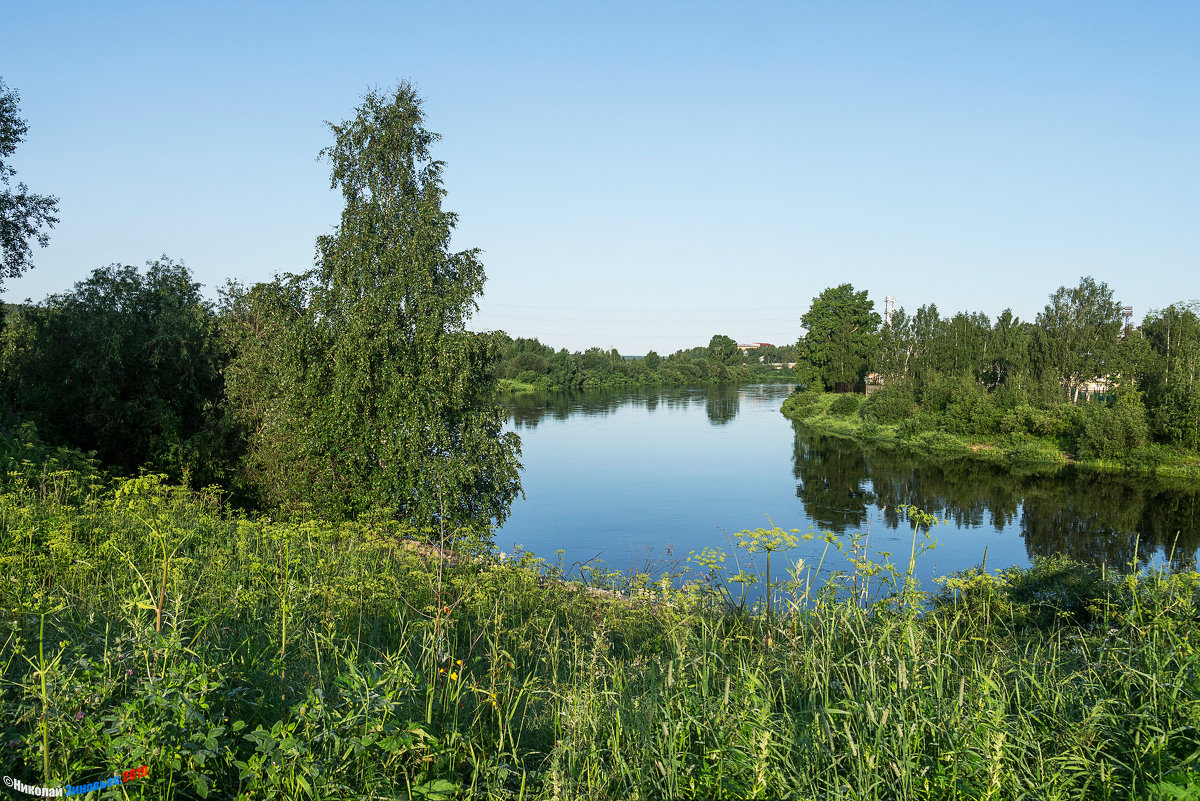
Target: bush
801 404
1027 453
968 408
1108 431
870 431
1148 457
912 427
890 404
845 405
1057 422
941 444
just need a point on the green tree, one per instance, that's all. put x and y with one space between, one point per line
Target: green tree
652 360
394 395
1008 355
842 335
23 215
1077 334
128 364
724 350
1170 369
896 345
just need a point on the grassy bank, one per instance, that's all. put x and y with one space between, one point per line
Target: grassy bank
257 658
512 385
843 415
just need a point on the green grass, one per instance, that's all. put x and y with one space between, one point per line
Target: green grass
512 385
245 657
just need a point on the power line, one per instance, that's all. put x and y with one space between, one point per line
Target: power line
643 309
628 321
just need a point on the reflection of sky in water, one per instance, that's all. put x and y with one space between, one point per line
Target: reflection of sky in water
625 477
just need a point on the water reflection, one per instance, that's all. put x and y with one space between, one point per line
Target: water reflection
1093 517
721 404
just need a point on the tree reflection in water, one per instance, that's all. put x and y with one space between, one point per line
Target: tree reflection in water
1093 517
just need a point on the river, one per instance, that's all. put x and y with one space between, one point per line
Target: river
637 480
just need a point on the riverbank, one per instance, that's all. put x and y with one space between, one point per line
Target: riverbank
295 659
841 415
592 384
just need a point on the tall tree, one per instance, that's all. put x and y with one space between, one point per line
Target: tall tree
23 215
1077 334
395 395
842 335
1008 355
1171 371
896 344
724 350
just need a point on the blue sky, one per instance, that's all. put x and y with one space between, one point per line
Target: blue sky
640 175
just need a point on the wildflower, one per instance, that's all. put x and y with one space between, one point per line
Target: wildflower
129 672
453 677
79 715
458 662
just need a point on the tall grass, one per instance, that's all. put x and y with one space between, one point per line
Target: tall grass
244 657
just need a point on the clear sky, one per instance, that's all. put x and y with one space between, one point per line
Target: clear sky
640 175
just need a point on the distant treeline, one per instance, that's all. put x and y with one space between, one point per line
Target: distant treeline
137 366
528 362
1078 376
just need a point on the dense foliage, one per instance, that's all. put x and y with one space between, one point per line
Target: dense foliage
362 388
1074 381
246 657
842 336
530 364
128 365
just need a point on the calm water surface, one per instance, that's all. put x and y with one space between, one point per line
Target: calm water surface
641 479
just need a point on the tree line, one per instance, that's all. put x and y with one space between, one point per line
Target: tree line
353 388
1078 373
529 362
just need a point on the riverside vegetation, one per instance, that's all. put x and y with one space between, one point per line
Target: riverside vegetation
527 365
243 656
1079 379
950 418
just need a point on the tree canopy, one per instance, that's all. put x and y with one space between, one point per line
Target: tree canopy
724 350
842 336
383 399
24 216
127 364
1077 333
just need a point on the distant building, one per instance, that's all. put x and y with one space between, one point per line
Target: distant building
753 345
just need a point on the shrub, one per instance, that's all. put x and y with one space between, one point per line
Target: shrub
870 430
1107 431
968 408
941 444
912 427
800 404
1148 457
890 404
1031 453
1058 421
845 405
